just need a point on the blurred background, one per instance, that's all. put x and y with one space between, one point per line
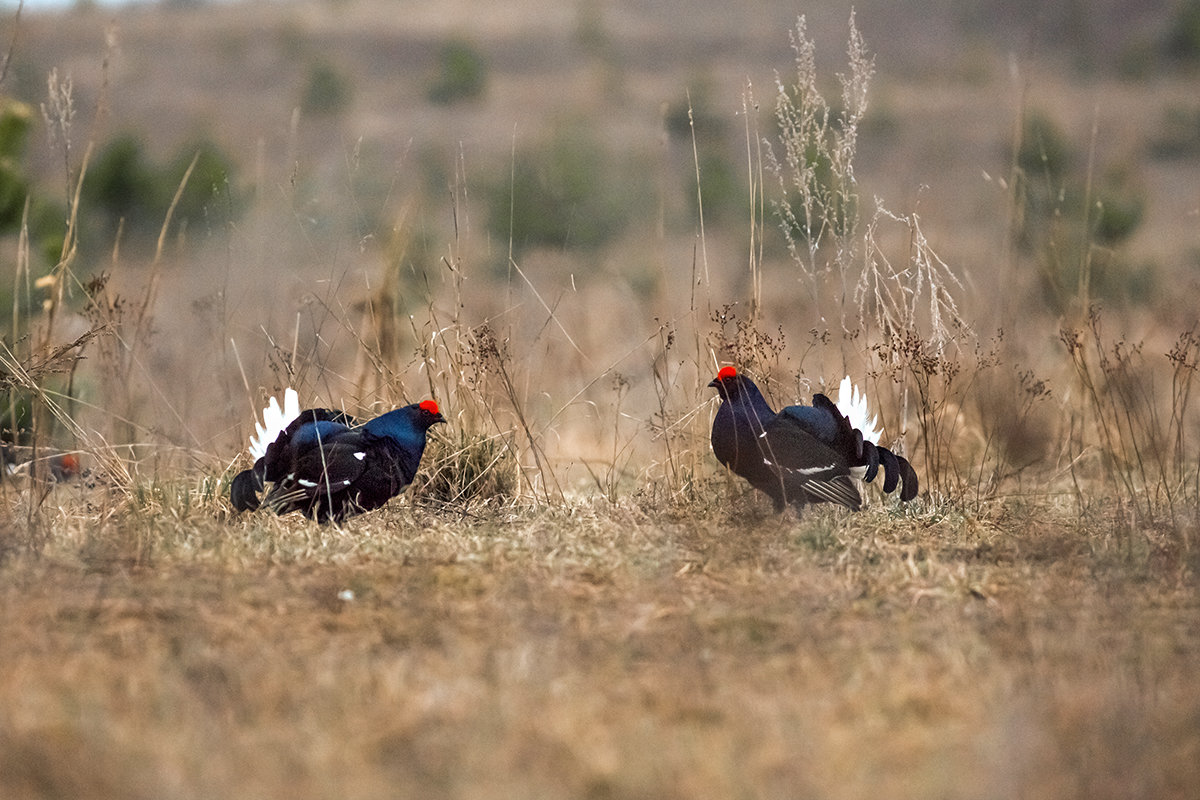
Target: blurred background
559 219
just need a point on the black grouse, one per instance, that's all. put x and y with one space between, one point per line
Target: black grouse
803 454
328 469
55 465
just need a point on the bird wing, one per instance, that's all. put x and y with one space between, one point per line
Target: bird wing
334 464
816 420
846 437
319 473
312 426
826 422
807 467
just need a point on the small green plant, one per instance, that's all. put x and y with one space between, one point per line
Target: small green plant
461 74
14 187
211 190
1044 153
123 186
696 113
326 90
705 134
722 190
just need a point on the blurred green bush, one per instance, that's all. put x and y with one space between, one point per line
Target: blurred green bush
124 185
461 74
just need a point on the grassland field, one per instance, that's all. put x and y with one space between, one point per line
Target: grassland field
575 601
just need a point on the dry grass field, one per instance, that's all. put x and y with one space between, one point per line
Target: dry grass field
599 650
496 205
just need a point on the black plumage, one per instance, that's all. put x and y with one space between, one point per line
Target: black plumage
803 454
327 469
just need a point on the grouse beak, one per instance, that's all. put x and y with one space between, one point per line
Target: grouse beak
715 383
437 418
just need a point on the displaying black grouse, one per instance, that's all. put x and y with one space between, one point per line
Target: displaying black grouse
328 469
803 454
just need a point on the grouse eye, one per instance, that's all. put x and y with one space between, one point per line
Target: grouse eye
429 406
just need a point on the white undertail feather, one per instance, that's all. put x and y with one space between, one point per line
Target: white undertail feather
273 422
853 404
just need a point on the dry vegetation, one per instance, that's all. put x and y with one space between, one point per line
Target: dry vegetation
597 651
573 601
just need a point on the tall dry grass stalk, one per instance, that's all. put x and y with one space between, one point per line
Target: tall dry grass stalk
1130 430
882 293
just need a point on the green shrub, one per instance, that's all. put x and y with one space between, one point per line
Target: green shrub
326 91
712 127
1178 134
1044 152
1109 276
461 74
1182 41
568 193
1073 224
15 119
209 186
46 221
124 184
14 188
1117 215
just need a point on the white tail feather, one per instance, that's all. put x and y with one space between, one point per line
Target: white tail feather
853 404
273 422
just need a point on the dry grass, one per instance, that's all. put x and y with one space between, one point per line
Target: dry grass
593 650
572 602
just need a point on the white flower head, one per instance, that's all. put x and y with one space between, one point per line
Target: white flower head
273 422
853 404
